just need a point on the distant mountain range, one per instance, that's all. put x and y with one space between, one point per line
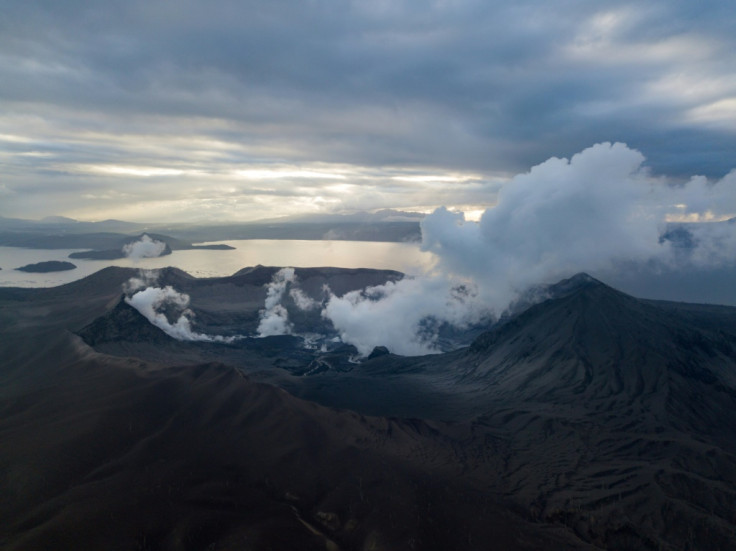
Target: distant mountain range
64 224
62 232
587 420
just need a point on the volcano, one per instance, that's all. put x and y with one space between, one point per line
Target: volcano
600 349
590 420
615 407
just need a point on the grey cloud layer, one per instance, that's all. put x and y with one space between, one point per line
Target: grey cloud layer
491 88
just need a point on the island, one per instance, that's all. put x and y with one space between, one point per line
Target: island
48 266
114 254
108 254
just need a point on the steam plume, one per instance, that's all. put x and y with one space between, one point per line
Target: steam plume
145 247
404 316
596 212
274 317
302 300
160 304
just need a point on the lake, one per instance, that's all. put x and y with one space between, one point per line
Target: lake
405 257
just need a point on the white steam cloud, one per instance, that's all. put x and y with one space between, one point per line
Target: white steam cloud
145 247
594 212
597 212
404 316
160 304
302 300
146 278
562 217
274 317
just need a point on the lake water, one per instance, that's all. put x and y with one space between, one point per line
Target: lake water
405 257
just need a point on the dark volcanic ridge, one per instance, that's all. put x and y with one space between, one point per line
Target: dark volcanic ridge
595 341
590 420
123 323
232 308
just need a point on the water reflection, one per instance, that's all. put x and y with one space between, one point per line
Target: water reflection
405 257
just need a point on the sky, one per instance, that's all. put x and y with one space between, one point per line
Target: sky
240 110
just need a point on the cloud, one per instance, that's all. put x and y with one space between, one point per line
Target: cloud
302 300
97 101
405 316
593 212
600 211
145 247
563 216
275 317
160 305
703 200
145 278
274 322
713 245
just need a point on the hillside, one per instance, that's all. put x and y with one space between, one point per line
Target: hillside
591 420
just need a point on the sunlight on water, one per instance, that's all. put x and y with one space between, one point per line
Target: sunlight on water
405 257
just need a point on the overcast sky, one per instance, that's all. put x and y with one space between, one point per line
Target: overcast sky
156 110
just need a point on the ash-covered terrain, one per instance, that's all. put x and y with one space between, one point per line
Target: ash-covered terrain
161 411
